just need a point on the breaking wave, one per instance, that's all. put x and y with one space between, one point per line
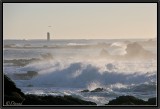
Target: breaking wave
89 74
112 68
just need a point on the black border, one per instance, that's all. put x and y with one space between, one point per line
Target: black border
1 54
78 1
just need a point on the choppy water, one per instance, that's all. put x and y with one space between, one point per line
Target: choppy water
66 67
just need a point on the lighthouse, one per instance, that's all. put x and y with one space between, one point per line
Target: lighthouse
48 36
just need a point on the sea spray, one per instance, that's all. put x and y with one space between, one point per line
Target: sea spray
80 74
78 65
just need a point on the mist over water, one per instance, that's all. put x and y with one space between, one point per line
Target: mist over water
120 67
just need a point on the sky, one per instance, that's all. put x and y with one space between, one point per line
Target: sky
79 20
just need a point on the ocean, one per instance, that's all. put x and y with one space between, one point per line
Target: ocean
79 67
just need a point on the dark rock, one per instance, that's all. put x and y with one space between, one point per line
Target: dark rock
29 85
54 100
130 100
127 100
97 90
26 76
152 101
10 87
12 93
85 90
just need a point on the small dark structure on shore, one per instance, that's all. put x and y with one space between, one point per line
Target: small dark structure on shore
48 36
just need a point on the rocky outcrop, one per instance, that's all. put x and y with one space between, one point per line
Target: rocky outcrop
95 90
25 76
86 90
98 90
11 92
14 96
135 50
152 101
131 100
55 100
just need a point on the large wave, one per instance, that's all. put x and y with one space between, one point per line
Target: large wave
82 74
119 62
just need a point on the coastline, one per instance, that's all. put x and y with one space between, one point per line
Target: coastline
14 96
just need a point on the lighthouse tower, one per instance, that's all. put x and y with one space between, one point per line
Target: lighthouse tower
48 36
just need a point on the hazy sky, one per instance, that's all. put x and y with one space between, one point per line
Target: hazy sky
79 20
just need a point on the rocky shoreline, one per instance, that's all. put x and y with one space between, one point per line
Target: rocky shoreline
131 100
14 96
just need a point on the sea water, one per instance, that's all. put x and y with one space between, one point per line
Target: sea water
67 67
